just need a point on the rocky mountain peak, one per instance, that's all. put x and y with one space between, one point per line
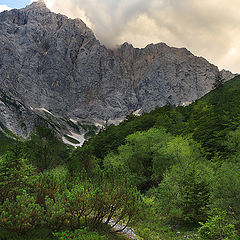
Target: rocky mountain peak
38 5
126 45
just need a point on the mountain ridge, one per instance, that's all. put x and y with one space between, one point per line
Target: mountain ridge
51 62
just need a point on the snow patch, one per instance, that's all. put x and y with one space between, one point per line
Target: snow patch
99 125
74 121
115 121
102 124
137 112
44 110
78 137
186 104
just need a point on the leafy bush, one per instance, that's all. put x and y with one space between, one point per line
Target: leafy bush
142 157
16 174
217 227
21 215
89 205
183 195
56 216
80 234
45 150
225 193
81 160
6 141
49 182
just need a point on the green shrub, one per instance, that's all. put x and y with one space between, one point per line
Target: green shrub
81 160
79 205
142 157
217 227
183 195
225 192
50 182
16 174
89 205
79 234
45 150
21 215
55 215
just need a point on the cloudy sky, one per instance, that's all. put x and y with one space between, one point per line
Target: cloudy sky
208 28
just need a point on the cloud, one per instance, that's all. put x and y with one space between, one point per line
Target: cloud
4 7
208 28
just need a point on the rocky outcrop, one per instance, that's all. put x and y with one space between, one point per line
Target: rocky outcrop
48 61
16 117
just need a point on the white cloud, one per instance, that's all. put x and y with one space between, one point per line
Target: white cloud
209 28
4 7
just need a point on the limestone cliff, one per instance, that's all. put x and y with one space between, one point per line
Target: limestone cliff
48 61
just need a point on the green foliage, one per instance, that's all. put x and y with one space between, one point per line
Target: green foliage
153 226
94 184
16 174
55 212
171 119
208 120
142 157
91 130
45 150
231 145
183 195
217 227
109 139
82 159
225 193
80 234
88 205
21 215
5 141
50 182
38 233
232 141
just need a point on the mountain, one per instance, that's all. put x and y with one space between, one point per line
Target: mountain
57 70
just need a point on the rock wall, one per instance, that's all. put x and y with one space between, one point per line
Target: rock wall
50 61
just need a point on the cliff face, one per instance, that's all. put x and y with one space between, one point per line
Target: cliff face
52 62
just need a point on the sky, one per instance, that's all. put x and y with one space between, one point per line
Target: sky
208 28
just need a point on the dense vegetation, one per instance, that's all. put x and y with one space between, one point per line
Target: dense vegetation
173 173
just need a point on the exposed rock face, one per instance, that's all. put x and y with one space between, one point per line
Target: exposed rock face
22 120
52 62
14 116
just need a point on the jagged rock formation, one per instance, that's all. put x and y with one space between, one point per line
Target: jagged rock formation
14 116
21 120
50 61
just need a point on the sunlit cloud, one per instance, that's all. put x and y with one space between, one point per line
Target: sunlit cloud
4 7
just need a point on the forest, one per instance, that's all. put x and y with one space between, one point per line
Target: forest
173 173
